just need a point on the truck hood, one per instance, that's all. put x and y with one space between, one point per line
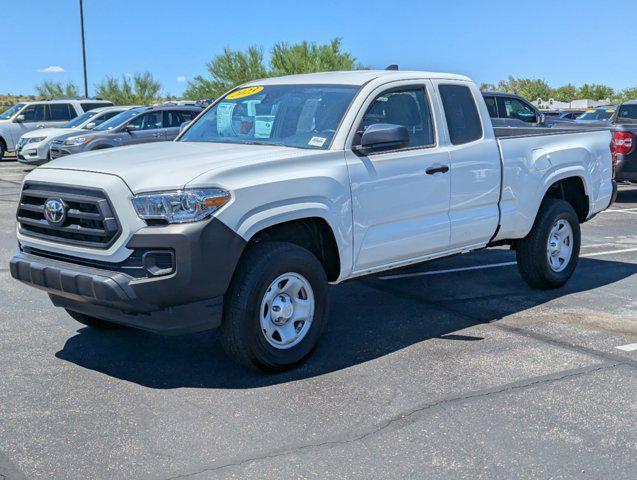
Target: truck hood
168 165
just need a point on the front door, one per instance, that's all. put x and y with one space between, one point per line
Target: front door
400 197
147 128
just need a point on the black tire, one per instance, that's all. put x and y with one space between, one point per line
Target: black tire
241 334
531 252
89 321
3 149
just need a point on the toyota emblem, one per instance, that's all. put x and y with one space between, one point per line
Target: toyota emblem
55 211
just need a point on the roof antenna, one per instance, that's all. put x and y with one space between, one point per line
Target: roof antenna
393 66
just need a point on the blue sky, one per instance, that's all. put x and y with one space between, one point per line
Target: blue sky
561 41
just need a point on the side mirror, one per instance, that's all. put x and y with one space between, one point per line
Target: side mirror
184 126
541 118
383 136
90 126
19 119
130 128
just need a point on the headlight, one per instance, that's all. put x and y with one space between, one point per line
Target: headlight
182 206
35 139
74 141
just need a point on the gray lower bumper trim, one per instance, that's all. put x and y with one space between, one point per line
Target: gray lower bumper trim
79 282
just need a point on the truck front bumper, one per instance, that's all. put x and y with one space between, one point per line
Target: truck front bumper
186 299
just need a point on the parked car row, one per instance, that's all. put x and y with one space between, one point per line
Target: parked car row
42 130
26 116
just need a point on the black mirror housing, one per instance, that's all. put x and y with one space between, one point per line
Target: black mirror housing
383 136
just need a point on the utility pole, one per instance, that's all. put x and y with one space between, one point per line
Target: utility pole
83 49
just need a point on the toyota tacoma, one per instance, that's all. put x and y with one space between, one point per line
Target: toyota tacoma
285 185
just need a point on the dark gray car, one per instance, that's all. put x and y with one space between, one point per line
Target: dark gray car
509 110
137 125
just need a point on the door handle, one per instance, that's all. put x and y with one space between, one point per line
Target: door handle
437 169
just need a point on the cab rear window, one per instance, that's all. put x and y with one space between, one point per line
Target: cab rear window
463 120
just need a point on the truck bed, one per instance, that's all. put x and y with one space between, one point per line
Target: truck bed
530 156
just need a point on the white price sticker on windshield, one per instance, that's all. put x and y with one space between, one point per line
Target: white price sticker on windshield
317 141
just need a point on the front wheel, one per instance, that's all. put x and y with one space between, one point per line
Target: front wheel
548 255
276 307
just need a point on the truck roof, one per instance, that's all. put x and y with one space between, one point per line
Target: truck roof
354 77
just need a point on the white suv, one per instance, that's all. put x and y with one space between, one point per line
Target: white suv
34 147
26 116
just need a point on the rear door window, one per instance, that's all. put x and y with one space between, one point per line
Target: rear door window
60 112
174 118
461 112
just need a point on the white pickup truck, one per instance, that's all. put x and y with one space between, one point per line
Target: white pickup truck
287 184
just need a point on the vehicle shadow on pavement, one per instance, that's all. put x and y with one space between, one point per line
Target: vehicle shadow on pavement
369 318
627 195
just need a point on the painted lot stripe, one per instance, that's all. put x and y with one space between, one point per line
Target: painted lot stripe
492 265
628 348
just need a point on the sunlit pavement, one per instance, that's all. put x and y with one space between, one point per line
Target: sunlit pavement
435 371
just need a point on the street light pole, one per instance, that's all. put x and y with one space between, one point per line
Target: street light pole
83 49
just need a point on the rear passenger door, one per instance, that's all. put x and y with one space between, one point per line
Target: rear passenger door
173 120
57 114
475 164
400 198
146 128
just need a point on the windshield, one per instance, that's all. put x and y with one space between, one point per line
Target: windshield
604 114
78 120
302 116
117 120
627 112
7 114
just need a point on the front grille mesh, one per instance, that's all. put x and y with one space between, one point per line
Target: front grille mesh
90 220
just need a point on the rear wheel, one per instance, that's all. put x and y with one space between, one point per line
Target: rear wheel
89 321
548 255
275 308
3 149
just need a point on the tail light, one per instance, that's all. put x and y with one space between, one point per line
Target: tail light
622 144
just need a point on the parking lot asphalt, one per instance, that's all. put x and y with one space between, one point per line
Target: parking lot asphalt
449 369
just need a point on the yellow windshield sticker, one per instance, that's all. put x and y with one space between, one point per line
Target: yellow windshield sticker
244 92
610 111
590 111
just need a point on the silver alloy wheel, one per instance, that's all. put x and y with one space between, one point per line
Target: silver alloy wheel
559 247
287 310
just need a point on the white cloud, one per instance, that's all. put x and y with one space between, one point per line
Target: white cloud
51 69
181 79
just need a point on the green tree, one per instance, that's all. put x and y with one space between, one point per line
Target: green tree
628 94
595 91
565 93
488 87
143 89
233 68
227 70
529 88
51 89
307 57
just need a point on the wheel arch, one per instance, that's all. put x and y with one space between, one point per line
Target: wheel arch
308 230
571 187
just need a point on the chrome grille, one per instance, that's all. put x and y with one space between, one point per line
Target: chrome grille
90 220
